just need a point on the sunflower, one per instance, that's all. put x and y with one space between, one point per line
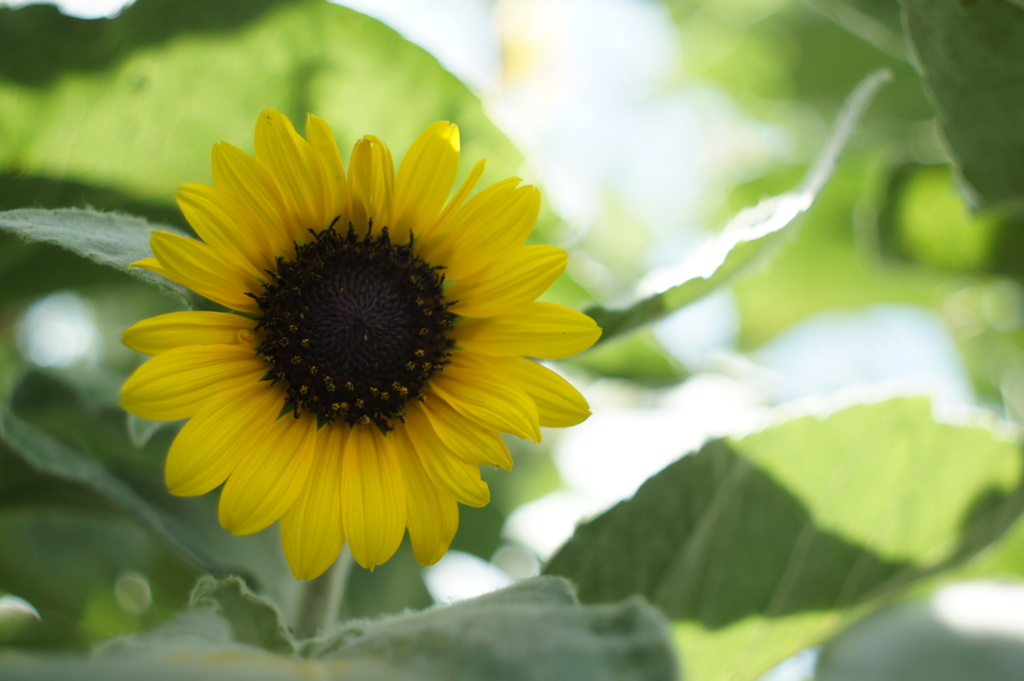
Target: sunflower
378 341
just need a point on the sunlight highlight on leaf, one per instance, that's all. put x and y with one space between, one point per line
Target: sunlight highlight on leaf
747 237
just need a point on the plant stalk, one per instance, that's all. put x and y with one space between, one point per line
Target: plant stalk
320 599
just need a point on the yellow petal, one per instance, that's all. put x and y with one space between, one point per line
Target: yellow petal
227 223
477 387
495 220
269 477
211 444
242 175
290 161
311 531
465 437
425 179
443 466
175 384
373 499
433 514
151 264
325 150
515 278
559 403
195 265
541 330
371 185
456 202
163 332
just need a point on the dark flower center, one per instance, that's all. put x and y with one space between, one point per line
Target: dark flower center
354 327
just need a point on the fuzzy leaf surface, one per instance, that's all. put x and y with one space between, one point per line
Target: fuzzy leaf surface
535 629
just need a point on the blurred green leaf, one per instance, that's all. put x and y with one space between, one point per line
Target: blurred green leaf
790 63
749 235
395 586
134 104
971 55
831 263
761 546
535 630
876 22
140 430
104 238
175 523
48 455
924 641
925 220
64 559
638 357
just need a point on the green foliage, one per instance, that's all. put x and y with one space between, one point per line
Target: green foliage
637 357
747 236
925 220
169 78
254 620
88 453
535 629
970 55
762 546
50 456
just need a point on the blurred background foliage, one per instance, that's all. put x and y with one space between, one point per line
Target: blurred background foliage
648 124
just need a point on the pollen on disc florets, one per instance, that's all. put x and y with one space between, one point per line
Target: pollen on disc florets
354 326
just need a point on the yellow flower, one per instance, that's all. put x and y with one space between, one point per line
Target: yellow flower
377 346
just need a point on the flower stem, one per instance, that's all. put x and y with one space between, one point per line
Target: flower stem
320 600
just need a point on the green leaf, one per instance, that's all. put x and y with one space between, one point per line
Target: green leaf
141 430
875 21
639 358
535 630
254 620
104 238
133 105
970 55
761 546
184 536
749 235
925 220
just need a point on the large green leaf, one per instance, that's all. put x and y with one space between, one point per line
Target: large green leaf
134 104
761 546
534 630
972 59
747 237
